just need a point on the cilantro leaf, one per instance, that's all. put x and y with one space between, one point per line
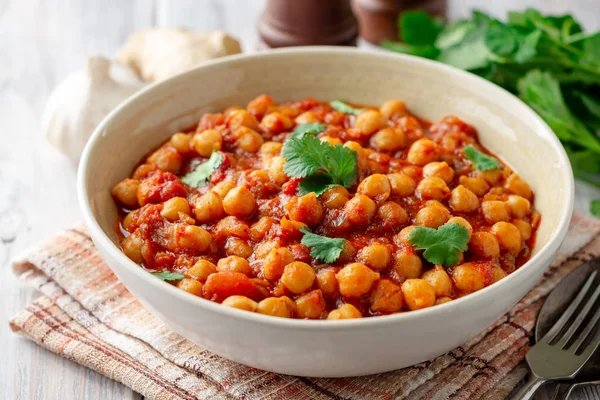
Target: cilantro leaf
308 129
527 47
427 51
201 174
595 208
501 39
442 245
340 106
321 247
481 161
418 28
168 276
320 164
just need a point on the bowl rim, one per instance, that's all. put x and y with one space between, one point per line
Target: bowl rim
101 239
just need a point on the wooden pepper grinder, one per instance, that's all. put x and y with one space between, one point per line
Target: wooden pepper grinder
377 19
307 22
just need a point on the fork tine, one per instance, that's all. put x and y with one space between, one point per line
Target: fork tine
589 327
579 319
564 318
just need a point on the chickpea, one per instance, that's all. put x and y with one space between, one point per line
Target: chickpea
275 262
386 297
238 118
327 282
231 109
133 246
402 185
463 200
206 142
191 286
126 192
468 277
143 171
238 247
290 226
306 117
335 197
524 228
392 214
239 202
127 220
241 303
276 122
271 148
519 206
331 140
439 279
495 211
498 273
508 236
194 237
518 186
201 270
393 109
208 208
276 171
248 140
262 249
356 279
298 277
388 139
491 176
463 222
376 256
346 311
174 206
442 300
231 226
418 294
370 121
260 228
222 188
432 188
181 142
234 264
311 305
359 209
352 145
484 245
432 216
282 307
260 105
475 185
376 186
167 159
306 209
402 237
439 169
407 264
422 152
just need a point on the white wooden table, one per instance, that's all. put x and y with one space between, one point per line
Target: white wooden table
40 43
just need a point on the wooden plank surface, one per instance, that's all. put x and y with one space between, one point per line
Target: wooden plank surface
40 43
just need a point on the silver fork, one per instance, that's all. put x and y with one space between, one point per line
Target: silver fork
563 351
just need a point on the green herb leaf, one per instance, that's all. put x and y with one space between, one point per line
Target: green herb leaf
418 28
313 128
340 106
201 174
592 104
168 276
591 51
442 245
501 39
481 161
595 208
321 164
430 52
527 47
584 161
323 248
454 34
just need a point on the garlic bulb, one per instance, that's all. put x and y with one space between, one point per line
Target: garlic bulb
157 54
81 101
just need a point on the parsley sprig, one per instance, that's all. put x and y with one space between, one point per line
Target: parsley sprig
321 247
168 276
442 245
320 164
341 106
481 161
312 128
201 174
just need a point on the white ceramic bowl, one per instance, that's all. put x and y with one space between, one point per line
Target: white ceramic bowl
326 348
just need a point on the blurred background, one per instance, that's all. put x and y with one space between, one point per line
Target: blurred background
41 43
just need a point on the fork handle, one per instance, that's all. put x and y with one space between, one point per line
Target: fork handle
529 388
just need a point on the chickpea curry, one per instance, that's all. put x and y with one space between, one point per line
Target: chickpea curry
326 210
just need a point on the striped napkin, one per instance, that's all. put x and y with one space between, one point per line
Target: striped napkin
86 315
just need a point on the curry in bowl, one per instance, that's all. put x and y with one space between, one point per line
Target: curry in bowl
326 210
